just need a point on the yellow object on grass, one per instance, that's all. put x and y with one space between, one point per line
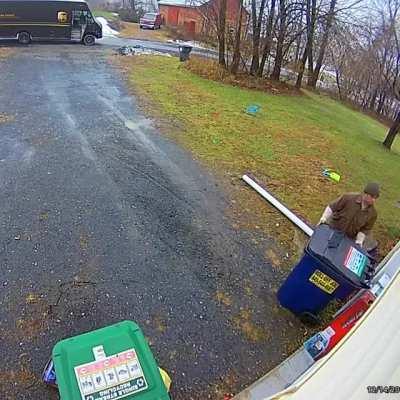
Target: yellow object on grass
166 379
332 175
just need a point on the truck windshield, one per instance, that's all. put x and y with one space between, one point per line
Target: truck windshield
149 16
89 17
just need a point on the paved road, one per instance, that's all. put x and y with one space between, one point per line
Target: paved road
102 219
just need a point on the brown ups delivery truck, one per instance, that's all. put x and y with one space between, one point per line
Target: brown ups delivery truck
28 20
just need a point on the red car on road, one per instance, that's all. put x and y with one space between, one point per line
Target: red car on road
151 21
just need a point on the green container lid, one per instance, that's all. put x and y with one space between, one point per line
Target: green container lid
108 364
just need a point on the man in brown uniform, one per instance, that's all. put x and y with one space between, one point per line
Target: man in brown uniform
353 213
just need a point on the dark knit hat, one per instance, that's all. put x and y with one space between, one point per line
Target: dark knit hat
372 188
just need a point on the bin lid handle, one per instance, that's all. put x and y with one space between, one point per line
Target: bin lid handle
335 239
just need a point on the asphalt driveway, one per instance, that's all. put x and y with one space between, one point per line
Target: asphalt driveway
102 219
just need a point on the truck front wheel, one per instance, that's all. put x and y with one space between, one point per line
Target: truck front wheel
24 38
89 40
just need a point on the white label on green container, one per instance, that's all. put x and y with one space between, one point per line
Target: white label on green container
99 353
111 378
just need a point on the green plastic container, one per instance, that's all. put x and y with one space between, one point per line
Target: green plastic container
108 364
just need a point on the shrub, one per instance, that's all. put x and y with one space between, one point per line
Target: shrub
210 69
129 15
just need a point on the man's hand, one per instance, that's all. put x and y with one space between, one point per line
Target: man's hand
360 238
325 216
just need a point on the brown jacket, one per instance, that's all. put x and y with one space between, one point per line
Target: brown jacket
349 217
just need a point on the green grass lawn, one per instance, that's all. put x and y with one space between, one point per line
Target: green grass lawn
286 145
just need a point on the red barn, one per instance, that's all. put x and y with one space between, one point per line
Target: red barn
196 16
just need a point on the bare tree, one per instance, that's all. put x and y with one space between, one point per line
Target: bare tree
311 26
393 131
237 41
276 73
341 51
311 15
214 20
327 30
221 32
366 60
268 38
392 75
256 23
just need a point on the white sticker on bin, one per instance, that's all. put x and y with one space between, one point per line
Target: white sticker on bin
99 353
355 261
114 377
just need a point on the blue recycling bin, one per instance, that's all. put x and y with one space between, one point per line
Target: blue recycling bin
332 267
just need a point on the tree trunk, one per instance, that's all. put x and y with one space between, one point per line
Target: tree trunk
329 22
221 33
372 100
339 86
254 29
312 15
367 97
236 51
298 48
393 131
306 49
268 39
381 103
276 73
257 21
299 37
302 68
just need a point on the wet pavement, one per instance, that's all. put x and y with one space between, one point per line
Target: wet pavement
102 219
